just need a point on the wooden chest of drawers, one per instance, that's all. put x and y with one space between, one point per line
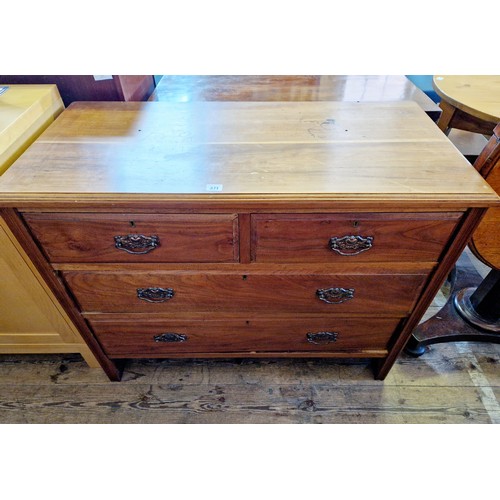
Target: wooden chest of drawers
244 229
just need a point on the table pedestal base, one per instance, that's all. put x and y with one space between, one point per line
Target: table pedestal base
476 299
463 302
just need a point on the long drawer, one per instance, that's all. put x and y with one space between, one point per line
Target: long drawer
136 237
361 237
165 292
157 338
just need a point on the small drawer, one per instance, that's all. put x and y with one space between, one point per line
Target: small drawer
351 237
168 292
68 238
161 338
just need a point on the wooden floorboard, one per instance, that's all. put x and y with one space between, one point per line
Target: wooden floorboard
438 387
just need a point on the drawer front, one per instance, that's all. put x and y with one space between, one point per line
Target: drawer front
165 292
348 237
156 338
136 237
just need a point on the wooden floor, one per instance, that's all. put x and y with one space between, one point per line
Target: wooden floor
451 383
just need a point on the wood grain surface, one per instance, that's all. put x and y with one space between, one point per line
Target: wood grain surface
54 285
476 95
245 290
181 238
395 237
31 319
335 151
353 88
452 383
485 242
25 111
486 238
89 88
134 337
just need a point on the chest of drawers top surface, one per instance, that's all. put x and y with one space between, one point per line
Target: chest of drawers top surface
226 151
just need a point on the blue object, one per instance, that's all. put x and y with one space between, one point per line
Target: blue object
424 83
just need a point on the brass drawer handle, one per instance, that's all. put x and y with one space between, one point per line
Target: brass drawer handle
322 338
170 337
351 245
154 294
137 243
335 295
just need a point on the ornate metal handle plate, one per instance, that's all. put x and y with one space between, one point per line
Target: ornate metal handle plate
321 338
351 244
335 295
137 244
170 337
155 294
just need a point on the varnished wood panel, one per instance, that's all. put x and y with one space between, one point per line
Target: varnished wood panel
180 127
485 242
91 237
31 319
476 95
452 253
134 87
27 305
350 267
25 339
306 238
269 172
245 290
353 88
87 88
55 289
244 223
25 112
167 151
125 338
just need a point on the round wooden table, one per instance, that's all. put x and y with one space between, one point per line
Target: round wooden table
469 102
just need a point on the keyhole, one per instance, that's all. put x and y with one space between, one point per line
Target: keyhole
244 277
355 223
132 223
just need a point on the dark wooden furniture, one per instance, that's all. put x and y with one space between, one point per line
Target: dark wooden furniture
244 229
471 299
347 88
485 242
88 88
